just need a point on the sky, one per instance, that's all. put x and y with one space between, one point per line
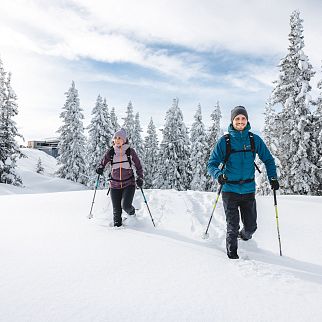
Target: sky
149 52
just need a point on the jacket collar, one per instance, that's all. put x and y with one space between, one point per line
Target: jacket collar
118 149
239 134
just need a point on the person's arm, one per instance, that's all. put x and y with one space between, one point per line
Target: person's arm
106 159
266 157
137 163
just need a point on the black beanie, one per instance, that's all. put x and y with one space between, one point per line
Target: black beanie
238 110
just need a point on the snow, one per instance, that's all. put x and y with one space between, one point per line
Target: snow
38 183
57 265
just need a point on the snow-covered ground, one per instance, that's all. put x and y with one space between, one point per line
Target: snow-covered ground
58 265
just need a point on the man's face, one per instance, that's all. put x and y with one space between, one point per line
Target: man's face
239 122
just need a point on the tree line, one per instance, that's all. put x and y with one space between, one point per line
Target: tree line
292 131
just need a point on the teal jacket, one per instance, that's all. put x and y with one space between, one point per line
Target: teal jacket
240 165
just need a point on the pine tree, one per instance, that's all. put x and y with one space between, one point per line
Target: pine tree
129 122
137 141
298 172
151 156
174 167
114 123
72 141
39 167
317 130
198 152
213 136
9 149
271 141
100 139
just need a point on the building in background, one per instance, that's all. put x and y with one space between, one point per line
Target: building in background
50 146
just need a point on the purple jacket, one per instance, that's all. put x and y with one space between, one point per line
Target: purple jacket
122 174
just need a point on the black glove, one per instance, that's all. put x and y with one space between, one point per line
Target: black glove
274 184
99 171
222 179
139 182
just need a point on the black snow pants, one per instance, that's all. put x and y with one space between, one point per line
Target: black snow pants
122 199
246 203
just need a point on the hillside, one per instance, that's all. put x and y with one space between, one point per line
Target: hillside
38 183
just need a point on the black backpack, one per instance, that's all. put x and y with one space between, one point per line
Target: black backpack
229 151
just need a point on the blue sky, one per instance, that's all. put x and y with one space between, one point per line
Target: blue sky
148 52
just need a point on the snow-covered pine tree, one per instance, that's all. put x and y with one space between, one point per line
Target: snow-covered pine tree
317 121
100 139
271 141
151 156
9 149
137 141
39 167
174 167
213 135
129 122
72 141
198 152
298 172
114 123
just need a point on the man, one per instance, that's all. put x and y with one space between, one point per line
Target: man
237 173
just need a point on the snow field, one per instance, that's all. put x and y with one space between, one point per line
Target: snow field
61 266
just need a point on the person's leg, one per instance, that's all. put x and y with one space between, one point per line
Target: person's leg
127 199
116 196
248 215
231 203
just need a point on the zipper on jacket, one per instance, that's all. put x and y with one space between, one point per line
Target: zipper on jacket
121 154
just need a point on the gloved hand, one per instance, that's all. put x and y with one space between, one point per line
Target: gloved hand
99 171
222 179
139 182
274 184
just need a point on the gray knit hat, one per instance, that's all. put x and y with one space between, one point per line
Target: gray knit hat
238 110
121 133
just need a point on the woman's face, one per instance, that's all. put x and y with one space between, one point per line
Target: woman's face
118 141
239 122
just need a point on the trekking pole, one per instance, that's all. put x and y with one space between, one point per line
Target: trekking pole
147 206
277 225
90 216
205 235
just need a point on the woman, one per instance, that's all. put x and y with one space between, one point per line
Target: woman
122 158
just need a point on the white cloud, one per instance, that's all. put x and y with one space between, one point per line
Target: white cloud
42 41
64 33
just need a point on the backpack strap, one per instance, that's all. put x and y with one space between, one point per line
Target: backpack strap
252 143
252 147
111 153
228 149
128 154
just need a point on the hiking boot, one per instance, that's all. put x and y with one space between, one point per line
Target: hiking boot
241 236
232 255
